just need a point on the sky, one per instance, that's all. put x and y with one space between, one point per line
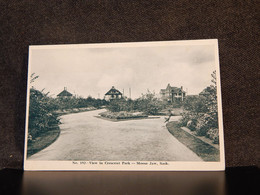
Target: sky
92 72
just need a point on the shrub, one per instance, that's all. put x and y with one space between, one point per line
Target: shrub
177 104
147 104
41 116
202 125
118 105
213 135
191 124
201 111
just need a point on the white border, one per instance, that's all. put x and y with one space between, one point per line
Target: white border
172 165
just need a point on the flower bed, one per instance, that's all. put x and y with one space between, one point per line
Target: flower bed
122 115
74 110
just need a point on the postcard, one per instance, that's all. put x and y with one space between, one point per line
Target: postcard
152 106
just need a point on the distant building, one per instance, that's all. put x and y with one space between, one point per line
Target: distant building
172 94
64 94
113 94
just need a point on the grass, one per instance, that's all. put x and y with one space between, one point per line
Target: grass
202 149
42 141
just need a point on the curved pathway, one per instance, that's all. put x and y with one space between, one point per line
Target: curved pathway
86 137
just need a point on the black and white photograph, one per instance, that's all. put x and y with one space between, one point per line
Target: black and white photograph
124 106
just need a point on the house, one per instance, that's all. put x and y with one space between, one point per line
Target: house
113 94
64 94
172 94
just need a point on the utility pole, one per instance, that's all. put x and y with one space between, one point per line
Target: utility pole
130 93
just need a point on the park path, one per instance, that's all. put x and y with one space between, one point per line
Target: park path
85 137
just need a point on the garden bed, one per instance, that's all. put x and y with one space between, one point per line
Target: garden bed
74 110
204 150
123 115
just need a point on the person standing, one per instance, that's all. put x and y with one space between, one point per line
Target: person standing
170 114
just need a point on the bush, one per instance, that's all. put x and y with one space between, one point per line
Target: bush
177 104
191 124
202 126
41 115
201 112
195 103
213 135
147 104
118 105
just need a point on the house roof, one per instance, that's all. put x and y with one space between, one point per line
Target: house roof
172 89
113 91
176 90
64 93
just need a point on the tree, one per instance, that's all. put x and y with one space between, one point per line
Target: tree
41 115
149 104
201 112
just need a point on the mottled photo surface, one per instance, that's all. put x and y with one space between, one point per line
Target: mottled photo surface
124 106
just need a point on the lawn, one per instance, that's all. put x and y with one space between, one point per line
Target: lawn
202 149
42 141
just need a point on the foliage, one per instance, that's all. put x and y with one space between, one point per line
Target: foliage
78 102
201 113
195 103
176 104
121 115
41 116
148 104
43 109
117 105
33 77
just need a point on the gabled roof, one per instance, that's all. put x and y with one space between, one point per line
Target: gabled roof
172 89
176 90
113 91
64 93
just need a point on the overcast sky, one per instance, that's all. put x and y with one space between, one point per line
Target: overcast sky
93 71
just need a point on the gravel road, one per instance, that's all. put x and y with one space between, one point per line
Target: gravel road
86 137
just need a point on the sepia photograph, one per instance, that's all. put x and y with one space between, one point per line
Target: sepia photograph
124 106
